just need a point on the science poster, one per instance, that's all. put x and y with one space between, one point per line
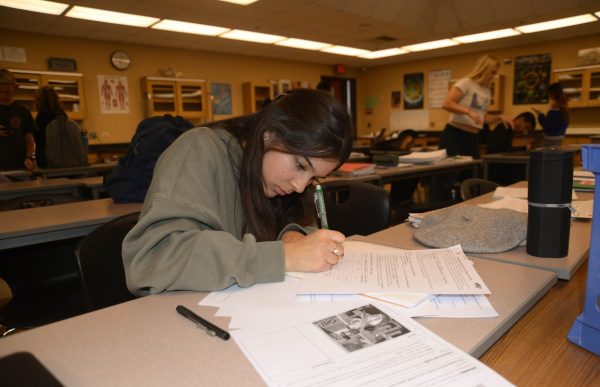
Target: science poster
413 90
532 77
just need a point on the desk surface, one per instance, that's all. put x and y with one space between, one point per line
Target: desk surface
33 186
420 170
82 170
43 224
145 342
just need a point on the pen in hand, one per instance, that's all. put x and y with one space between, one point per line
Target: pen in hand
320 202
203 324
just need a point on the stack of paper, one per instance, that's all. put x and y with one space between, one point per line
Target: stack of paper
355 169
423 157
584 181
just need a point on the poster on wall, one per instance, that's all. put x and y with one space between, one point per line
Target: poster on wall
438 87
413 91
221 98
114 94
532 76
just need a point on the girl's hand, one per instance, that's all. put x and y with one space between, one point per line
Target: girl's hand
475 117
315 252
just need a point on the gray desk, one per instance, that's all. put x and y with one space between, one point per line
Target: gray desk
93 184
40 186
86 170
390 175
579 243
145 342
44 224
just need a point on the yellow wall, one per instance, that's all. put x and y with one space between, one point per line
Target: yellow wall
92 59
379 82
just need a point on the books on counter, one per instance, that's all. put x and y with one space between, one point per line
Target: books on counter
584 181
355 169
423 157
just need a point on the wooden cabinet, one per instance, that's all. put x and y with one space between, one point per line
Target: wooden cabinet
580 84
497 93
255 94
69 87
184 97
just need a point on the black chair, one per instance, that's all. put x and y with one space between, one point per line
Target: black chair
101 264
474 187
355 207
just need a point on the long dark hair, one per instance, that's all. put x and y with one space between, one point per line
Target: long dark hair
555 92
304 122
47 101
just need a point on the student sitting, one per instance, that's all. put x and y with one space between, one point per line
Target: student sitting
500 139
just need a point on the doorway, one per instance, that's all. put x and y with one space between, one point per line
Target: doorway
344 90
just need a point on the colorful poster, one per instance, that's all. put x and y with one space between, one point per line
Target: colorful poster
221 98
114 94
413 91
532 76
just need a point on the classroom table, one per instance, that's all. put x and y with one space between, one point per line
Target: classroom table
445 166
579 243
39 187
83 171
31 226
93 184
145 342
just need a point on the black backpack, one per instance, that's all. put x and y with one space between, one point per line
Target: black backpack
130 179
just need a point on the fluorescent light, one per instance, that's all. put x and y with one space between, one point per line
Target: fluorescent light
383 53
431 45
250 36
341 50
558 23
189 28
487 35
101 15
49 7
240 2
301 43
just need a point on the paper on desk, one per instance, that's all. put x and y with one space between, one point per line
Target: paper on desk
517 192
423 157
366 345
580 208
459 306
368 267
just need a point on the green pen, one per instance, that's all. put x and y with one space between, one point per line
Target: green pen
320 202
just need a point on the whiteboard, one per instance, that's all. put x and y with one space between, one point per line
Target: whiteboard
410 119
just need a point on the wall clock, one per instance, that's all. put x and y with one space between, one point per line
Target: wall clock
120 60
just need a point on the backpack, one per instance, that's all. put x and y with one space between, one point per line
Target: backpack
129 180
64 146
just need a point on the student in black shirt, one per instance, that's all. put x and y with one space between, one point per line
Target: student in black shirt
500 139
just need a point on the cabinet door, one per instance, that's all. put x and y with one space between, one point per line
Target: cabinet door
255 94
191 102
70 92
572 83
593 90
27 85
161 97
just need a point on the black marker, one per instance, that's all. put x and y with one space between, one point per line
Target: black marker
207 326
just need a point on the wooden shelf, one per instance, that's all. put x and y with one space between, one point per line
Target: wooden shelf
255 95
184 97
69 87
581 85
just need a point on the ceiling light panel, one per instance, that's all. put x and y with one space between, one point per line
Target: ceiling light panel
304 44
558 23
431 45
250 36
103 16
384 53
498 34
240 2
41 6
342 50
189 28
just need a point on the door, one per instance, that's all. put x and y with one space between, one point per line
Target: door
344 90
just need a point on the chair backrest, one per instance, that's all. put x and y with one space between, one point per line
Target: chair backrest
355 207
101 264
473 187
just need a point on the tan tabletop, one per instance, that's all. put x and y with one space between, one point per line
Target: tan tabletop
448 165
95 184
92 169
43 224
579 243
39 186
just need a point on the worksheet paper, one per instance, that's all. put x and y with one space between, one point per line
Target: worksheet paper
366 345
368 267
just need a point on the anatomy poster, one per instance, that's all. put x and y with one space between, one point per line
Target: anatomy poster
114 94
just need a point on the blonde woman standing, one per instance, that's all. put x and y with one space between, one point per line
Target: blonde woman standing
468 101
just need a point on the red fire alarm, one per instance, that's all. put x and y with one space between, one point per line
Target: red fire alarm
339 69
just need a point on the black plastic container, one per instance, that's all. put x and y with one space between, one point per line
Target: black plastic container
550 188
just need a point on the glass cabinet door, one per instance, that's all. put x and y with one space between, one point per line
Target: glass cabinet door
69 90
161 98
27 85
572 83
593 93
192 99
